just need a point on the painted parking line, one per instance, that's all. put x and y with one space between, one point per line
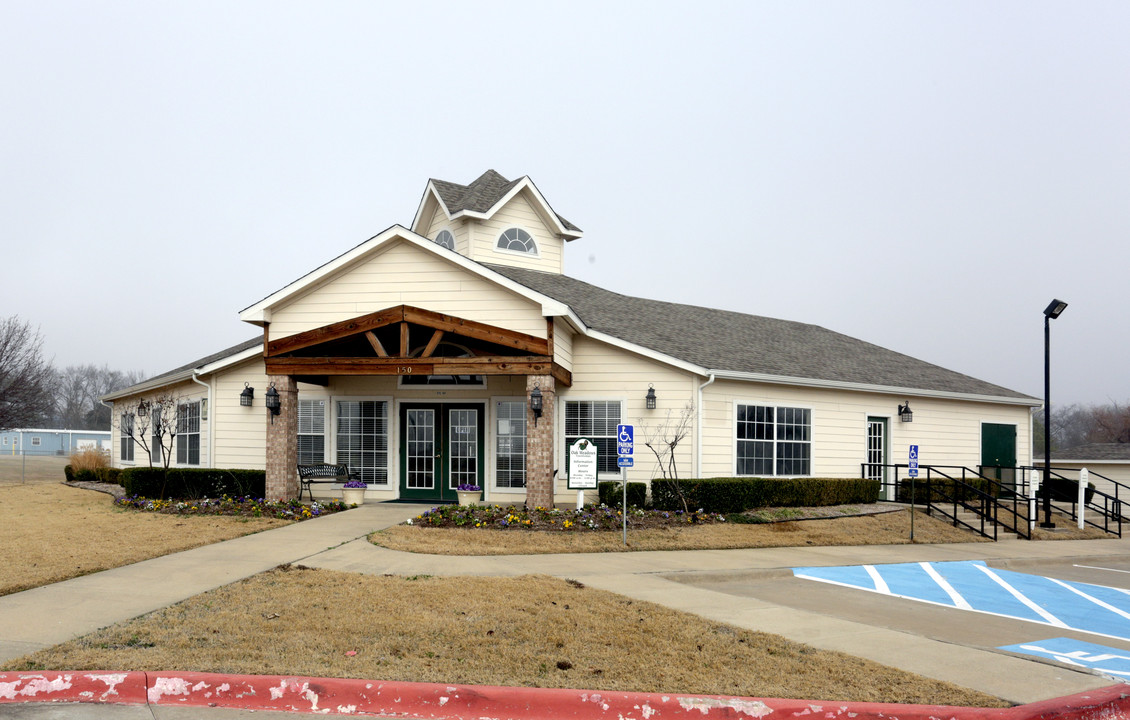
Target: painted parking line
1109 661
974 586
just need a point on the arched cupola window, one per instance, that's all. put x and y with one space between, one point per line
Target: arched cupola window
445 239
517 240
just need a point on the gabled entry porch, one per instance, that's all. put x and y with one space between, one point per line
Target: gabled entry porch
420 402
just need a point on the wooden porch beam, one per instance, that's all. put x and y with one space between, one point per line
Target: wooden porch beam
376 343
432 344
403 339
335 331
492 365
530 344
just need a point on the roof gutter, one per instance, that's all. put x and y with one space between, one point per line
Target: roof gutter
698 430
211 425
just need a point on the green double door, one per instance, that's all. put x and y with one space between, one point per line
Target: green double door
998 452
441 448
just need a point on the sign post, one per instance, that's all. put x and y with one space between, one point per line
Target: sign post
582 469
913 473
625 446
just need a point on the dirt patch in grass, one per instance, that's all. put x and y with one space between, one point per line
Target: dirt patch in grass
890 528
527 631
51 532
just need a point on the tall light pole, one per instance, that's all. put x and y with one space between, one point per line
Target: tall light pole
1051 312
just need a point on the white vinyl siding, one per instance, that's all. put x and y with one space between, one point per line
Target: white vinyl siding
311 432
947 431
405 274
519 212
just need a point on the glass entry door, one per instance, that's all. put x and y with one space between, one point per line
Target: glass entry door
441 447
877 456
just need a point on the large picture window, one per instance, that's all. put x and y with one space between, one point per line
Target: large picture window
362 439
125 430
188 433
774 440
597 421
510 455
311 432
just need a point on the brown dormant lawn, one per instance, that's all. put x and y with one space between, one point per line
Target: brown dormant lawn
526 631
52 532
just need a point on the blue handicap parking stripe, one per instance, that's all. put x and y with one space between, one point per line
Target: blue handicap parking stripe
972 585
1113 662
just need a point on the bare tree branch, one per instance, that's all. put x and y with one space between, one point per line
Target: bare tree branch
25 377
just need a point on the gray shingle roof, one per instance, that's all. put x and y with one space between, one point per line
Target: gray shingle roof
731 341
481 195
1095 451
206 360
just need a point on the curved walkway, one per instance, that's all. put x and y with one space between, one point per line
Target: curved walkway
46 616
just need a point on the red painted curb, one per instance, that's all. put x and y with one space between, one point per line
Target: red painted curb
86 687
430 701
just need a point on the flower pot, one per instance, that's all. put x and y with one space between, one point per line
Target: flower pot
468 497
353 496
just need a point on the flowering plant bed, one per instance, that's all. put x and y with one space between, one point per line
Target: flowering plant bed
355 484
592 517
239 506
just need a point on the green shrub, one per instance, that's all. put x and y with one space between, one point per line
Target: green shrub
612 494
193 483
86 475
735 495
111 475
1066 490
69 473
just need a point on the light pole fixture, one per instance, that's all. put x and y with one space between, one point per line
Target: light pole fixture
905 413
273 401
535 403
650 397
247 396
1051 312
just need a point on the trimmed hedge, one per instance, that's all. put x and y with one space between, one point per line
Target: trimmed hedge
735 495
69 473
612 494
193 483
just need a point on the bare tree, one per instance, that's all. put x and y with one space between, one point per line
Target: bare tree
78 393
1074 425
662 439
151 423
25 377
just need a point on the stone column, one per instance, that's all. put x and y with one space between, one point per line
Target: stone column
539 443
282 441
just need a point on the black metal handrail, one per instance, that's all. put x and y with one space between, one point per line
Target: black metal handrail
1001 506
1111 508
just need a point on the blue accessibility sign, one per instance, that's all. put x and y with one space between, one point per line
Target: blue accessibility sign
913 464
624 461
625 440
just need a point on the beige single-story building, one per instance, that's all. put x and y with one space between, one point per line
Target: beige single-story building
414 358
1107 464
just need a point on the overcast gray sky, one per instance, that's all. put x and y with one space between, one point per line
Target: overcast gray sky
923 176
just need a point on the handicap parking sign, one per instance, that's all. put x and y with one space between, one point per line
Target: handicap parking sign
625 440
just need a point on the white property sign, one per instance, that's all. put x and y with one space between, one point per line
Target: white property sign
582 465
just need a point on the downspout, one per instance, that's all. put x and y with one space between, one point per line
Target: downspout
211 425
698 431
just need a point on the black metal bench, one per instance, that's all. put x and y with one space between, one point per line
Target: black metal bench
322 473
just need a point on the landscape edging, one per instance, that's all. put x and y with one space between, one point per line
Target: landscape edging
434 701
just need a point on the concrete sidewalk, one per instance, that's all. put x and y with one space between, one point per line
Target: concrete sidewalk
52 614
48 615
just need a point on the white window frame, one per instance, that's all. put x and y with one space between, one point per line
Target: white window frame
492 439
125 439
185 433
562 402
392 453
520 253
325 425
776 405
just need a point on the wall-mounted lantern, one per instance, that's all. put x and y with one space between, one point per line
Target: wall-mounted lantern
247 396
273 401
905 414
650 397
535 403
